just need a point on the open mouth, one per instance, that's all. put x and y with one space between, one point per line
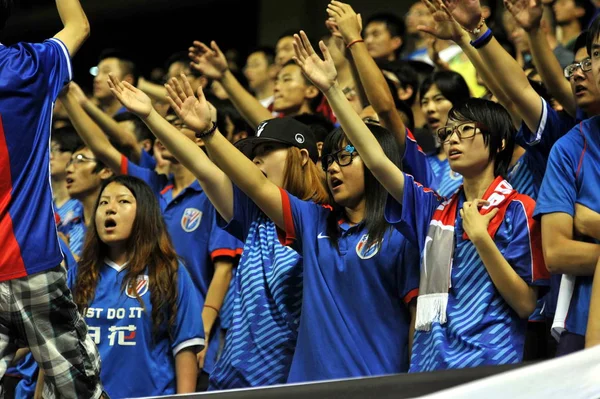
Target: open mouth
453 154
579 89
110 223
433 121
335 182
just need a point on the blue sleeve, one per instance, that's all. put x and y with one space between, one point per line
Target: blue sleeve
54 64
301 219
188 330
415 162
524 250
147 161
413 216
156 182
220 242
245 212
559 187
409 273
551 127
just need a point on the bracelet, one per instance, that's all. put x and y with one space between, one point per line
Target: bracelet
482 40
354 42
208 132
212 307
477 30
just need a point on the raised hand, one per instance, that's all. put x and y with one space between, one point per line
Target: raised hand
446 27
78 93
131 97
347 21
466 12
322 73
209 61
194 112
527 13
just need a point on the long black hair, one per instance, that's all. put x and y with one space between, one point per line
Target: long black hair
496 126
375 194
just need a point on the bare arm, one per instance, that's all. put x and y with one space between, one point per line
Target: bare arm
372 79
196 114
562 253
76 27
91 134
587 222
156 92
592 335
186 371
213 64
39 386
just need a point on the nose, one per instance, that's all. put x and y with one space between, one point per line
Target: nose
453 139
69 168
333 168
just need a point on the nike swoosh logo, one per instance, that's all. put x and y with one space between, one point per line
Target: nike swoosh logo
320 236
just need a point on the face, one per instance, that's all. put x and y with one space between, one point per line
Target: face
115 214
177 123
58 161
177 68
380 43
417 15
284 50
271 158
81 179
346 183
435 107
584 84
106 66
130 126
468 155
566 11
256 70
291 90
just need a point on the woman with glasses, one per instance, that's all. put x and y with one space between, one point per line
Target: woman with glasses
359 275
480 252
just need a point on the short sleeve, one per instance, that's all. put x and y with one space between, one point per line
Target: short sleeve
409 273
221 243
558 192
415 161
188 330
300 218
551 127
524 251
413 216
245 212
55 63
147 161
156 182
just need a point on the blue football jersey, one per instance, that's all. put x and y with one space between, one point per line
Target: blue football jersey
31 76
481 328
74 228
445 180
414 161
355 316
137 360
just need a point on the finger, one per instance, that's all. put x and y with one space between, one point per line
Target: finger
179 89
298 62
176 107
172 94
427 29
335 8
298 55
215 47
301 49
325 51
480 202
187 87
129 86
489 216
359 19
200 94
203 47
306 43
429 5
333 14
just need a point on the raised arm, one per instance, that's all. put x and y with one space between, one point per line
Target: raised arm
372 79
212 63
509 74
323 75
195 114
123 138
90 132
76 27
528 14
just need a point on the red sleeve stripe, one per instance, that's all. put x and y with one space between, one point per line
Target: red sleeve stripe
124 165
225 252
534 231
288 236
167 188
411 295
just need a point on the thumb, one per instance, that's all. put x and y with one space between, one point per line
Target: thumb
360 22
215 47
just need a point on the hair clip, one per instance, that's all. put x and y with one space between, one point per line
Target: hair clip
349 148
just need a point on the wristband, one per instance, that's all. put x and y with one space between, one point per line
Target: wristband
354 42
482 40
206 134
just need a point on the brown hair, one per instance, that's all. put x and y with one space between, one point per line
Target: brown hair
305 182
151 251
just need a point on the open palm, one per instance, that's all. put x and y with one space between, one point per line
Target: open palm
465 12
131 97
527 13
322 73
194 112
446 27
211 62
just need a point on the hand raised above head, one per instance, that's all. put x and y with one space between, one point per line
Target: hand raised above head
445 27
194 112
347 21
466 12
527 13
210 61
131 97
321 72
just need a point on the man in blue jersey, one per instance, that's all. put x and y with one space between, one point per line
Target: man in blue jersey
64 142
37 308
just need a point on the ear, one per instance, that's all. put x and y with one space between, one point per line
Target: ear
305 156
405 93
105 173
311 92
396 42
503 147
319 147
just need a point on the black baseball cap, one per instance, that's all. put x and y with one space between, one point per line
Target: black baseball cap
284 130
